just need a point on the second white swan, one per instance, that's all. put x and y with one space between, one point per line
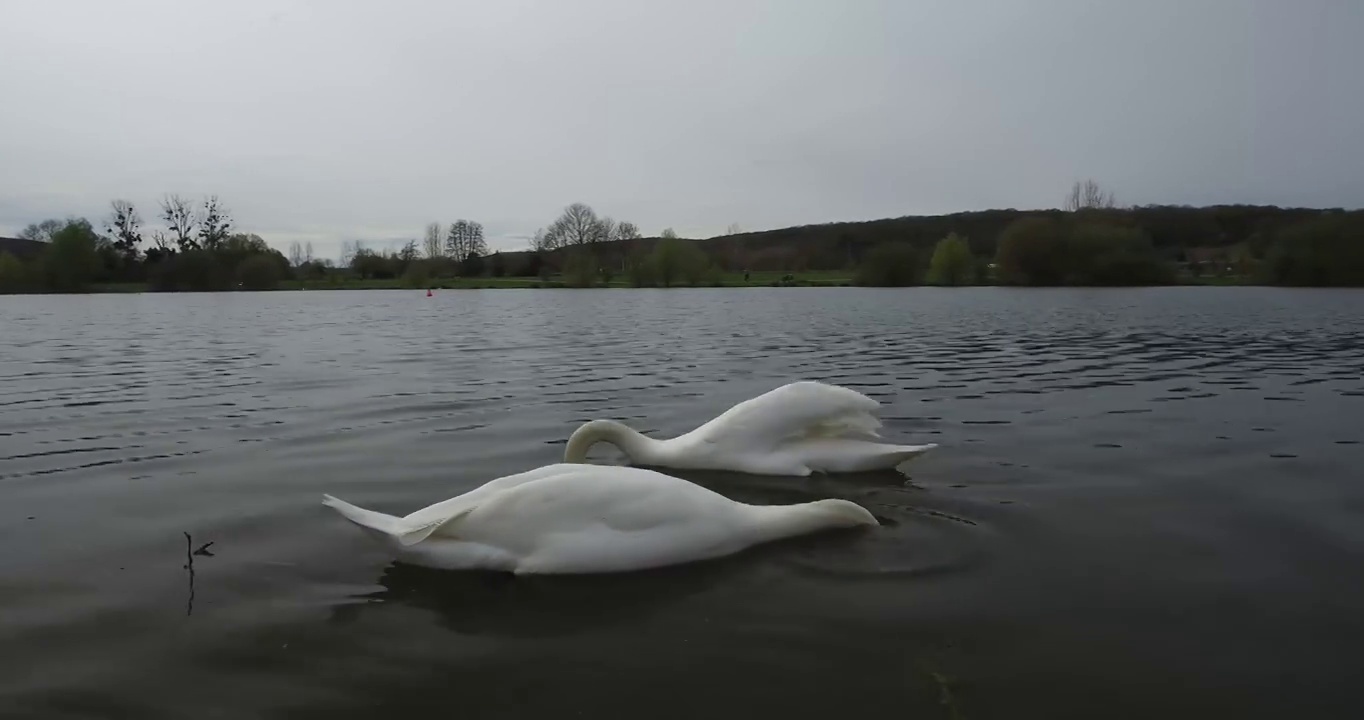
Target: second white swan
797 429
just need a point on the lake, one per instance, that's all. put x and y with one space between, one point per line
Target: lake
1145 503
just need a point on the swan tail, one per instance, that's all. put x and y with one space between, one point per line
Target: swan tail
368 519
387 527
910 451
893 456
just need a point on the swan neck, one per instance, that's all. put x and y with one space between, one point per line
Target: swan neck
636 446
774 522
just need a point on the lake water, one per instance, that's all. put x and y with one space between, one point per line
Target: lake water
1145 503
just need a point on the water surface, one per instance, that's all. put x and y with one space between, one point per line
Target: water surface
1145 503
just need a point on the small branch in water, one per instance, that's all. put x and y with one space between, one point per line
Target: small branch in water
189 565
203 549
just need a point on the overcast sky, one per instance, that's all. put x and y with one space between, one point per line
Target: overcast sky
341 120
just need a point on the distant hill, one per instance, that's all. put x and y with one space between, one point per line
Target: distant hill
21 248
1173 229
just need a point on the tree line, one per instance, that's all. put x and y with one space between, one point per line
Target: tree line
580 247
1089 240
1094 242
197 250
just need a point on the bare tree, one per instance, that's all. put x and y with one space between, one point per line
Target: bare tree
214 223
179 217
607 230
464 239
43 231
349 249
125 225
1088 196
456 241
627 231
296 254
308 252
578 225
477 245
544 241
160 240
431 241
733 229
668 234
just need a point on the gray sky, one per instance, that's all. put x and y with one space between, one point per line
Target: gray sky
331 121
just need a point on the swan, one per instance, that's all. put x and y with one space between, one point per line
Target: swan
796 429
582 518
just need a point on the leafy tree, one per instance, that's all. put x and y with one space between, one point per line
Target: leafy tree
952 263
72 259
676 260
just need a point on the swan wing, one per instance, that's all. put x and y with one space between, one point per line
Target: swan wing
798 410
598 518
447 509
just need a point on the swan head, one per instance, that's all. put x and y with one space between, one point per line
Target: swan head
633 444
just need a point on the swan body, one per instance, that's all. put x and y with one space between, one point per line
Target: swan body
574 518
797 429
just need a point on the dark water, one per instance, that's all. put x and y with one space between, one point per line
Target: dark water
1146 503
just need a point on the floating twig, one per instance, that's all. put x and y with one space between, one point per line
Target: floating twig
189 565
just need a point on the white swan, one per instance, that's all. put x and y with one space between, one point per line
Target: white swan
796 429
571 518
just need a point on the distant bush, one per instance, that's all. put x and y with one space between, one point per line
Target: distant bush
1324 251
1099 254
1042 251
259 272
1031 251
192 270
417 275
894 264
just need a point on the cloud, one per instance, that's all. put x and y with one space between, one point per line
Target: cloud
334 121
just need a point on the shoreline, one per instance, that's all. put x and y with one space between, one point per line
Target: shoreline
536 284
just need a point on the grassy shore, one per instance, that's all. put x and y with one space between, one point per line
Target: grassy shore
755 279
